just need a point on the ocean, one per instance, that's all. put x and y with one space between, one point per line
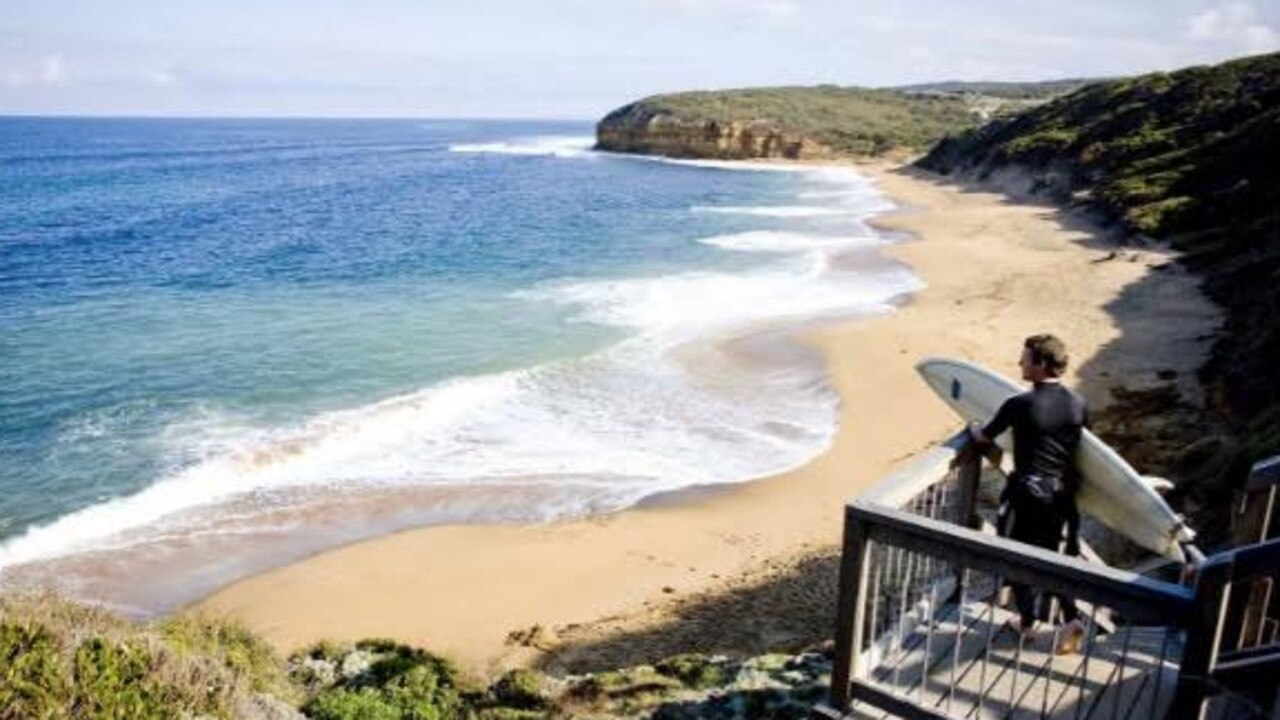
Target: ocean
228 344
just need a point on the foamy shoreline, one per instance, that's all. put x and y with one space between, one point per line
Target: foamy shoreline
995 270
570 436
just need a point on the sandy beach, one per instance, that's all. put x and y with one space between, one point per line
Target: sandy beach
996 269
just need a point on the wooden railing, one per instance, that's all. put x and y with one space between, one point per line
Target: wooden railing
1229 666
919 623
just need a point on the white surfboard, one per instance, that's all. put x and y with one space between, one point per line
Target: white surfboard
1110 489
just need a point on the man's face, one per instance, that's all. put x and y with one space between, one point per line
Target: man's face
1028 366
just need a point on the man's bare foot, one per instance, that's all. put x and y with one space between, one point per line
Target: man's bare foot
1070 638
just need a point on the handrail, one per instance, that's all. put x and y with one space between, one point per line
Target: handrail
917 474
1139 597
1243 667
1251 560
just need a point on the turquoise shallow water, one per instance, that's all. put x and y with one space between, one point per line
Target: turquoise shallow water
224 344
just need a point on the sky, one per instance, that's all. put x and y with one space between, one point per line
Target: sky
571 59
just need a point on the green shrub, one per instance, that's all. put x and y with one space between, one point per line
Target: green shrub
231 643
1042 144
360 704
33 679
400 683
1156 218
521 689
694 670
1138 189
63 660
632 683
117 680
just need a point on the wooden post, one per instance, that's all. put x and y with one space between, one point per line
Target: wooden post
1254 521
851 611
969 475
968 464
1204 636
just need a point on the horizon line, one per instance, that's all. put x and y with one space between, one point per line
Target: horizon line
164 116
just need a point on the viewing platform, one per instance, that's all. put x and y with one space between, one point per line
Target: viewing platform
922 629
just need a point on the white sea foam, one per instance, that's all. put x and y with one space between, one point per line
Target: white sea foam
777 241
842 191
778 211
730 165
556 145
628 419
684 305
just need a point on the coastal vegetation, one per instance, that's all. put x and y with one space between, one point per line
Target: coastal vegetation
60 659
810 122
1041 90
63 660
1188 158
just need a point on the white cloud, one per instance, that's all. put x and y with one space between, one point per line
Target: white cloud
53 70
766 9
48 71
779 9
1237 23
164 78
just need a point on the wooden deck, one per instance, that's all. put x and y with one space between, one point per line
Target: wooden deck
970 666
920 633
1128 673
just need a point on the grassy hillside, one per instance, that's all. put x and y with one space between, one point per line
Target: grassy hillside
1042 90
61 660
849 120
1190 157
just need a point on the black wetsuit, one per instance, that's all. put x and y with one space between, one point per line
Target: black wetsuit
1047 423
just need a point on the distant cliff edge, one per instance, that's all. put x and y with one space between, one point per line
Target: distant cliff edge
808 123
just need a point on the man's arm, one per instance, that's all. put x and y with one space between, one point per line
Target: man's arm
998 424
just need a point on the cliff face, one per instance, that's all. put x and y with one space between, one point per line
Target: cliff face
637 128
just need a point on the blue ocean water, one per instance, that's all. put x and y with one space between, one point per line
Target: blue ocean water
228 343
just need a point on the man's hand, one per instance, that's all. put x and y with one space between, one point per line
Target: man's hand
975 432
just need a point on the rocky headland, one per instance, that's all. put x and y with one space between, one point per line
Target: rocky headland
811 123
639 128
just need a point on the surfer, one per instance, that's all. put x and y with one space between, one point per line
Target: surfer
1039 499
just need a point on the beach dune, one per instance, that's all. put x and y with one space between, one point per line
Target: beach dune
996 269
